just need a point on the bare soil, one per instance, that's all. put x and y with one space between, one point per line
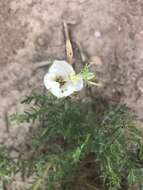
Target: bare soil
32 31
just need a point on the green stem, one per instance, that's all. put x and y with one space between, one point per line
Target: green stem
40 181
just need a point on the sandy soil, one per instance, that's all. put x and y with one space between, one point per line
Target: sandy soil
32 31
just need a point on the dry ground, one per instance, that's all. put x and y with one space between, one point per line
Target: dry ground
32 31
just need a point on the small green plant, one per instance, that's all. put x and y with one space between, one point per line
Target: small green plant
8 167
69 132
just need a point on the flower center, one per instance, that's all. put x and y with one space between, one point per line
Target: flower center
61 81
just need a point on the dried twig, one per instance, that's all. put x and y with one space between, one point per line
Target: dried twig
6 121
42 64
69 49
82 54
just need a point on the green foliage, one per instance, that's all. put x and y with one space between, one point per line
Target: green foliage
70 131
7 166
86 74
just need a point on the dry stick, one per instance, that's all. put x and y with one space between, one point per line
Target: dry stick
82 54
42 64
6 121
69 49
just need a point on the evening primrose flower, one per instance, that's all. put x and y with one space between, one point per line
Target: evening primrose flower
61 79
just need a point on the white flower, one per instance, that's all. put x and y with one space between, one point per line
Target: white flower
59 79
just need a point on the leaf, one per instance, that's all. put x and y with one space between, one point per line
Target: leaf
131 177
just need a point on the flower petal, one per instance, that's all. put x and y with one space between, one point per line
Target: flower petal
68 89
49 81
56 92
61 68
78 84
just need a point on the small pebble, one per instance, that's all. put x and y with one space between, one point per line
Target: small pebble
41 41
97 34
119 28
95 60
82 1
